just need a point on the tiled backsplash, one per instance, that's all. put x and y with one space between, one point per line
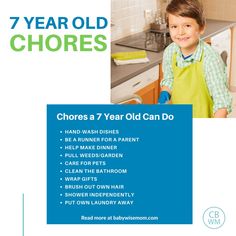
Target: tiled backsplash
128 16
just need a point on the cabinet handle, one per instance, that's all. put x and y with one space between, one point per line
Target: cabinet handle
136 84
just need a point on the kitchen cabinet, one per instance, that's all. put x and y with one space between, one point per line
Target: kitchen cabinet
233 60
149 94
221 42
145 85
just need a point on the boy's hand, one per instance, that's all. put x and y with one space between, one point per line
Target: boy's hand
221 113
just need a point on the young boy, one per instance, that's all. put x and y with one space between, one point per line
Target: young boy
193 72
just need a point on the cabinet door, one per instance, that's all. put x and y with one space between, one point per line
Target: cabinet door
149 94
222 44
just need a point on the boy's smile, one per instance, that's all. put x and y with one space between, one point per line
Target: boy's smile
185 32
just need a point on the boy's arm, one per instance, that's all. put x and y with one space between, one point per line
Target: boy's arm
216 79
167 82
165 88
221 113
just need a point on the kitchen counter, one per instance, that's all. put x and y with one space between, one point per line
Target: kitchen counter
120 74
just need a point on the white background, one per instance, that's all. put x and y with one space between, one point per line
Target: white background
31 80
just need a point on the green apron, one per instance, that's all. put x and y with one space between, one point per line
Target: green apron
189 87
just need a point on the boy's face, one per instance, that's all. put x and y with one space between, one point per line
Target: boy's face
185 32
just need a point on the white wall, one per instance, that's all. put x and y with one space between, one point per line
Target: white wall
128 16
233 65
224 10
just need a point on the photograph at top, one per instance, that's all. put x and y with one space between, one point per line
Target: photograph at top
175 52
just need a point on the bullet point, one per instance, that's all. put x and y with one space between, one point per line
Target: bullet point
61 155
60 178
60 147
61 171
61 194
61 163
60 202
60 132
60 186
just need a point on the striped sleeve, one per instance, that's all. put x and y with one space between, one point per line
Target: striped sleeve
168 76
216 79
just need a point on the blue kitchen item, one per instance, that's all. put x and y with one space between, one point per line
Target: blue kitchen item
164 97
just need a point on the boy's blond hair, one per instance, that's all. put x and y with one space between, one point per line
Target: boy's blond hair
187 8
